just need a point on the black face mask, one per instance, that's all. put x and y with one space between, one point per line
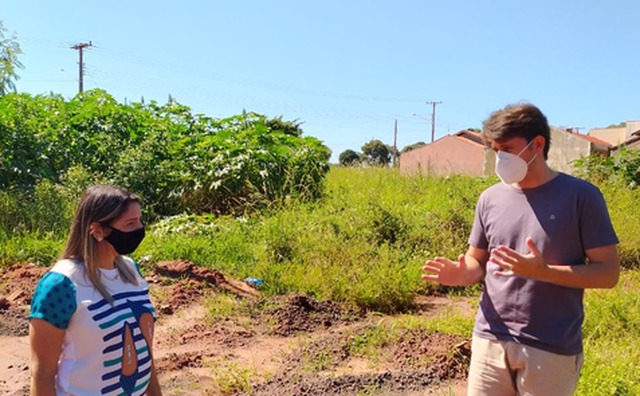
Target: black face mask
125 242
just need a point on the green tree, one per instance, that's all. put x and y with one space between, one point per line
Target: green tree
349 158
412 147
292 128
9 63
376 153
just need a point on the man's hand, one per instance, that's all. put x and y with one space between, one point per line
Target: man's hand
445 271
511 263
468 270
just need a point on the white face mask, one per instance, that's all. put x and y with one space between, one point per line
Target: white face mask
510 168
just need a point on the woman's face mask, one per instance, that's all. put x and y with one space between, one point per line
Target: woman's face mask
510 168
125 242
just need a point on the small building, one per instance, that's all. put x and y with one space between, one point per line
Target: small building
568 146
460 153
633 143
616 135
465 153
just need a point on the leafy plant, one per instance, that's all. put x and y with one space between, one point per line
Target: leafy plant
9 52
175 160
621 168
349 158
375 152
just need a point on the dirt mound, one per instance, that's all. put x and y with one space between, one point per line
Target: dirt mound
386 383
178 361
187 284
17 284
185 269
409 362
14 322
299 313
447 354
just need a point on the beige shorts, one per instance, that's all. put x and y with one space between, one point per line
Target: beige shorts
506 368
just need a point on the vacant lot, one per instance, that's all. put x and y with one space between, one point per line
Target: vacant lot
217 336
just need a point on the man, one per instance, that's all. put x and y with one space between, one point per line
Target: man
538 240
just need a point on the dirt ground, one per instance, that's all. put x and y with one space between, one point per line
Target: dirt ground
286 345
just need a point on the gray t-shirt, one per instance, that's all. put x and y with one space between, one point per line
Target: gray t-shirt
565 217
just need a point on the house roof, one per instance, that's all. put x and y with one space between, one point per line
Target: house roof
473 137
635 136
590 139
476 138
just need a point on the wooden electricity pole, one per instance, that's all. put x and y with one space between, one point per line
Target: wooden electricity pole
395 143
433 119
80 47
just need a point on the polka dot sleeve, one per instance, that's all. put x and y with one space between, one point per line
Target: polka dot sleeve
54 300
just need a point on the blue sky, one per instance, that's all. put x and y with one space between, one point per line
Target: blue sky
346 69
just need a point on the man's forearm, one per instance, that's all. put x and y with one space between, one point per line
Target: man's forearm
588 276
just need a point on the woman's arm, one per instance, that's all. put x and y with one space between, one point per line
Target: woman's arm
46 346
154 385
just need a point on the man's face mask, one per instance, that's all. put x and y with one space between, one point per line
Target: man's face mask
510 168
125 242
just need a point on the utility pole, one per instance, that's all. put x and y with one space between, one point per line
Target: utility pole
433 118
395 143
80 47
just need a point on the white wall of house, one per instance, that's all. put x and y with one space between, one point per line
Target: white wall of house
632 127
566 148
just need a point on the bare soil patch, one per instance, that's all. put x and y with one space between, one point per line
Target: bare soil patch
285 345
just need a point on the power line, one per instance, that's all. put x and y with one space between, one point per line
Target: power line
273 86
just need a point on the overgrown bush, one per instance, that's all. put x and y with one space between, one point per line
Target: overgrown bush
175 160
622 168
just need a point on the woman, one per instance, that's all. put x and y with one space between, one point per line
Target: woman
91 322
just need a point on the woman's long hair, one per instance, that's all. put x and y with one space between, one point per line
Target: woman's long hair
99 204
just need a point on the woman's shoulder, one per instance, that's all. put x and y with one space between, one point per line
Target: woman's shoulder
129 260
68 267
54 298
133 264
134 267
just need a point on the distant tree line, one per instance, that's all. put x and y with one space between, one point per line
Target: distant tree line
373 153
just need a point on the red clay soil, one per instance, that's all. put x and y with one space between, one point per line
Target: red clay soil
284 345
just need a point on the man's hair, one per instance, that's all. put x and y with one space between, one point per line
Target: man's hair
517 120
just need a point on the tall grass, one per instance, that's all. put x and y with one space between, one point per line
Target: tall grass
611 336
363 243
622 202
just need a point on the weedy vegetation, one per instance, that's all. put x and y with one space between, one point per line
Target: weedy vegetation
250 196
